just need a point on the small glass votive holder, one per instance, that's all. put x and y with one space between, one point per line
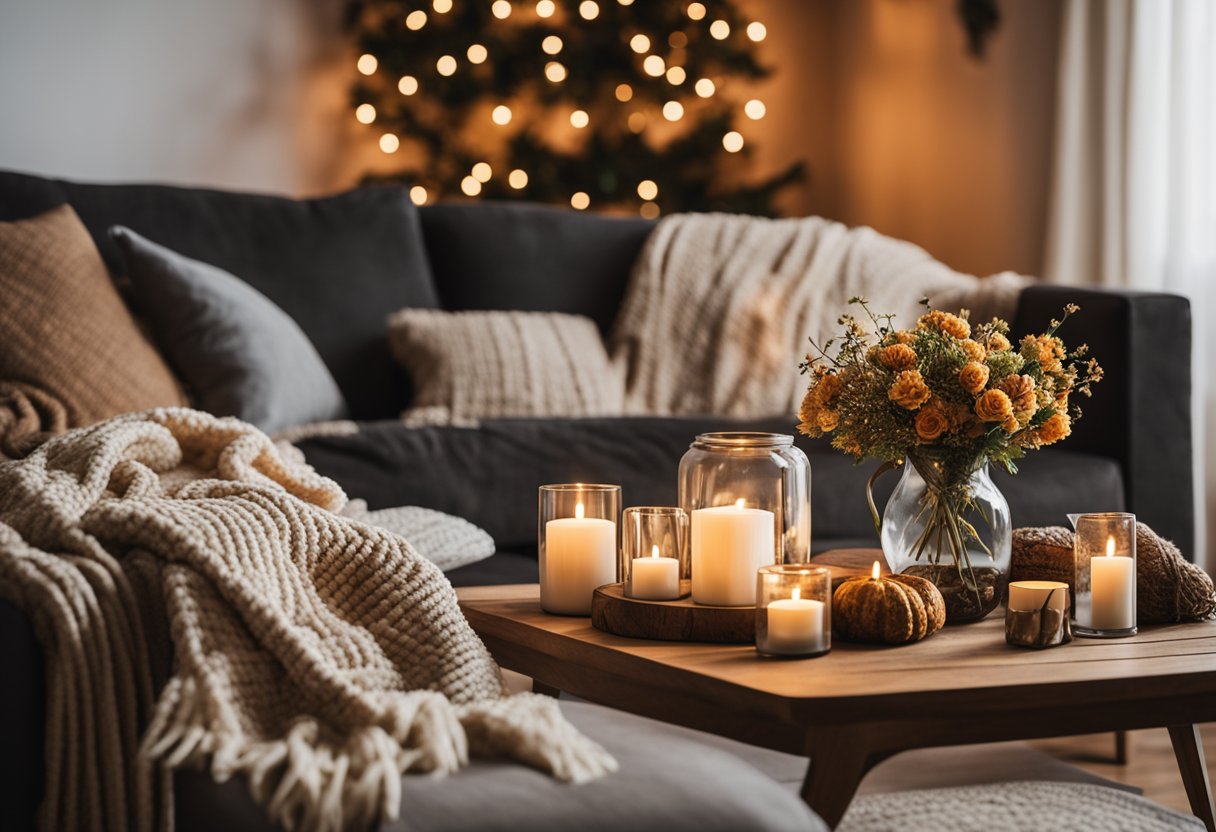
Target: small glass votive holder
793 610
654 552
1037 615
577 544
1104 553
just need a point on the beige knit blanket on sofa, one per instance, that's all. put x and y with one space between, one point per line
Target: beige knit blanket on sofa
200 601
719 306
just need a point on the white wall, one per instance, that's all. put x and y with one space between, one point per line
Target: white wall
231 93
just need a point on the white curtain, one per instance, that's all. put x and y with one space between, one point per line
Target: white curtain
1134 193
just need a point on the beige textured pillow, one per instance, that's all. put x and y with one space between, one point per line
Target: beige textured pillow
66 331
483 365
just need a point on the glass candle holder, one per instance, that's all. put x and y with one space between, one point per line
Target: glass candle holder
577 544
748 497
654 552
793 610
1104 552
1037 615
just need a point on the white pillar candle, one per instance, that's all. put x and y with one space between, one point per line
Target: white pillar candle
654 578
729 543
796 626
1029 596
1113 581
580 555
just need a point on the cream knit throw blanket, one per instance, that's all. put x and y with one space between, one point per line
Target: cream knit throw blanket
317 656
720 306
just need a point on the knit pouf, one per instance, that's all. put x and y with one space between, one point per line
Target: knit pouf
1014 807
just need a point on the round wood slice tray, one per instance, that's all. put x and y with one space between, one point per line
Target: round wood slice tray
680 620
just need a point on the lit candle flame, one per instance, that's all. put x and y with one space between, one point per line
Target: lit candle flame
578 511
739 503
796 593
654 551
874 572
1110 546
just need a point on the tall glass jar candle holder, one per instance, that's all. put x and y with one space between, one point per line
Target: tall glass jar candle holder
748 497
1104 550
654 552
793 610
577 550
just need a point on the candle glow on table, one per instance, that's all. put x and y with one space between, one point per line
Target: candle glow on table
654 578
1113 579
729 543
796 625
580 555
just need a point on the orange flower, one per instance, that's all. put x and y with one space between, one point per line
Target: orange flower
973 376
1047 350
898 357
905 337
909 390
947 323
827 388
994 406
828 420
808 416
1021 392
931 422
1056 428
1011 425
998 342
974 349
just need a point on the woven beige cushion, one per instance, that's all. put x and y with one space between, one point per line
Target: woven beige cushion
482 365
66 330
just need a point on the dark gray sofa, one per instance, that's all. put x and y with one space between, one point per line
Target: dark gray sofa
340 265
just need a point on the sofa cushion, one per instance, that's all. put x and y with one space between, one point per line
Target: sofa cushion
490 475
237 353
337 265
510 255
66 330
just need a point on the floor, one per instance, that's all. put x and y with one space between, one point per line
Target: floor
1150 764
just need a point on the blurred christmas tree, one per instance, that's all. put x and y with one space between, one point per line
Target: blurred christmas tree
604 103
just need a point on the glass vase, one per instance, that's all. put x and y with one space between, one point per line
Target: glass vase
948 523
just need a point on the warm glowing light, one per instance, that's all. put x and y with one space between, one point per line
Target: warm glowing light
580 119
367 64
545 8
705 87
673 111
589 9
418 195
696 11
676 75
551 45
637 122
755 109
408 85
415 20
757 31
389 143
578 511
477 54
482 171
639 44
470 186
517 179
654 550
1110 546
624 92
719 30
647 189
677 40
365 113
796 593
501 114
625 2
875 572
654 66
733 141
649 210
501 9
580 201
555 72
446 65
442 6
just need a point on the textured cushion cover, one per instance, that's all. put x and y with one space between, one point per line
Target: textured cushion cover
337 265
446 541
66 330
477 365
237 353
511 255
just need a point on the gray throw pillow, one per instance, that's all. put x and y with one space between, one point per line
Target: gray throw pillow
236 351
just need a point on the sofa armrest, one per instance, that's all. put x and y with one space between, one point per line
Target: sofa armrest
1140 414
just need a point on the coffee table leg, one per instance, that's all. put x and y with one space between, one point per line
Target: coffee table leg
1188 749
839 761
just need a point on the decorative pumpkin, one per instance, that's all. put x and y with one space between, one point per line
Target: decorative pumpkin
887 609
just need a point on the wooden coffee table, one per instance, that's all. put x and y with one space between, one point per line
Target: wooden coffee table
851 709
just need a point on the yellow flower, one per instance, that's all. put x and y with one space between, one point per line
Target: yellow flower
947 323
998 342
898 357
1011 425
828 420
808 416
827 388
974 349
909 390
1047 350
931 422
905 337
973 376
1021 392
1056 428
993 406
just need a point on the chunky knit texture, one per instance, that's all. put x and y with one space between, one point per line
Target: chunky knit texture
315 655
